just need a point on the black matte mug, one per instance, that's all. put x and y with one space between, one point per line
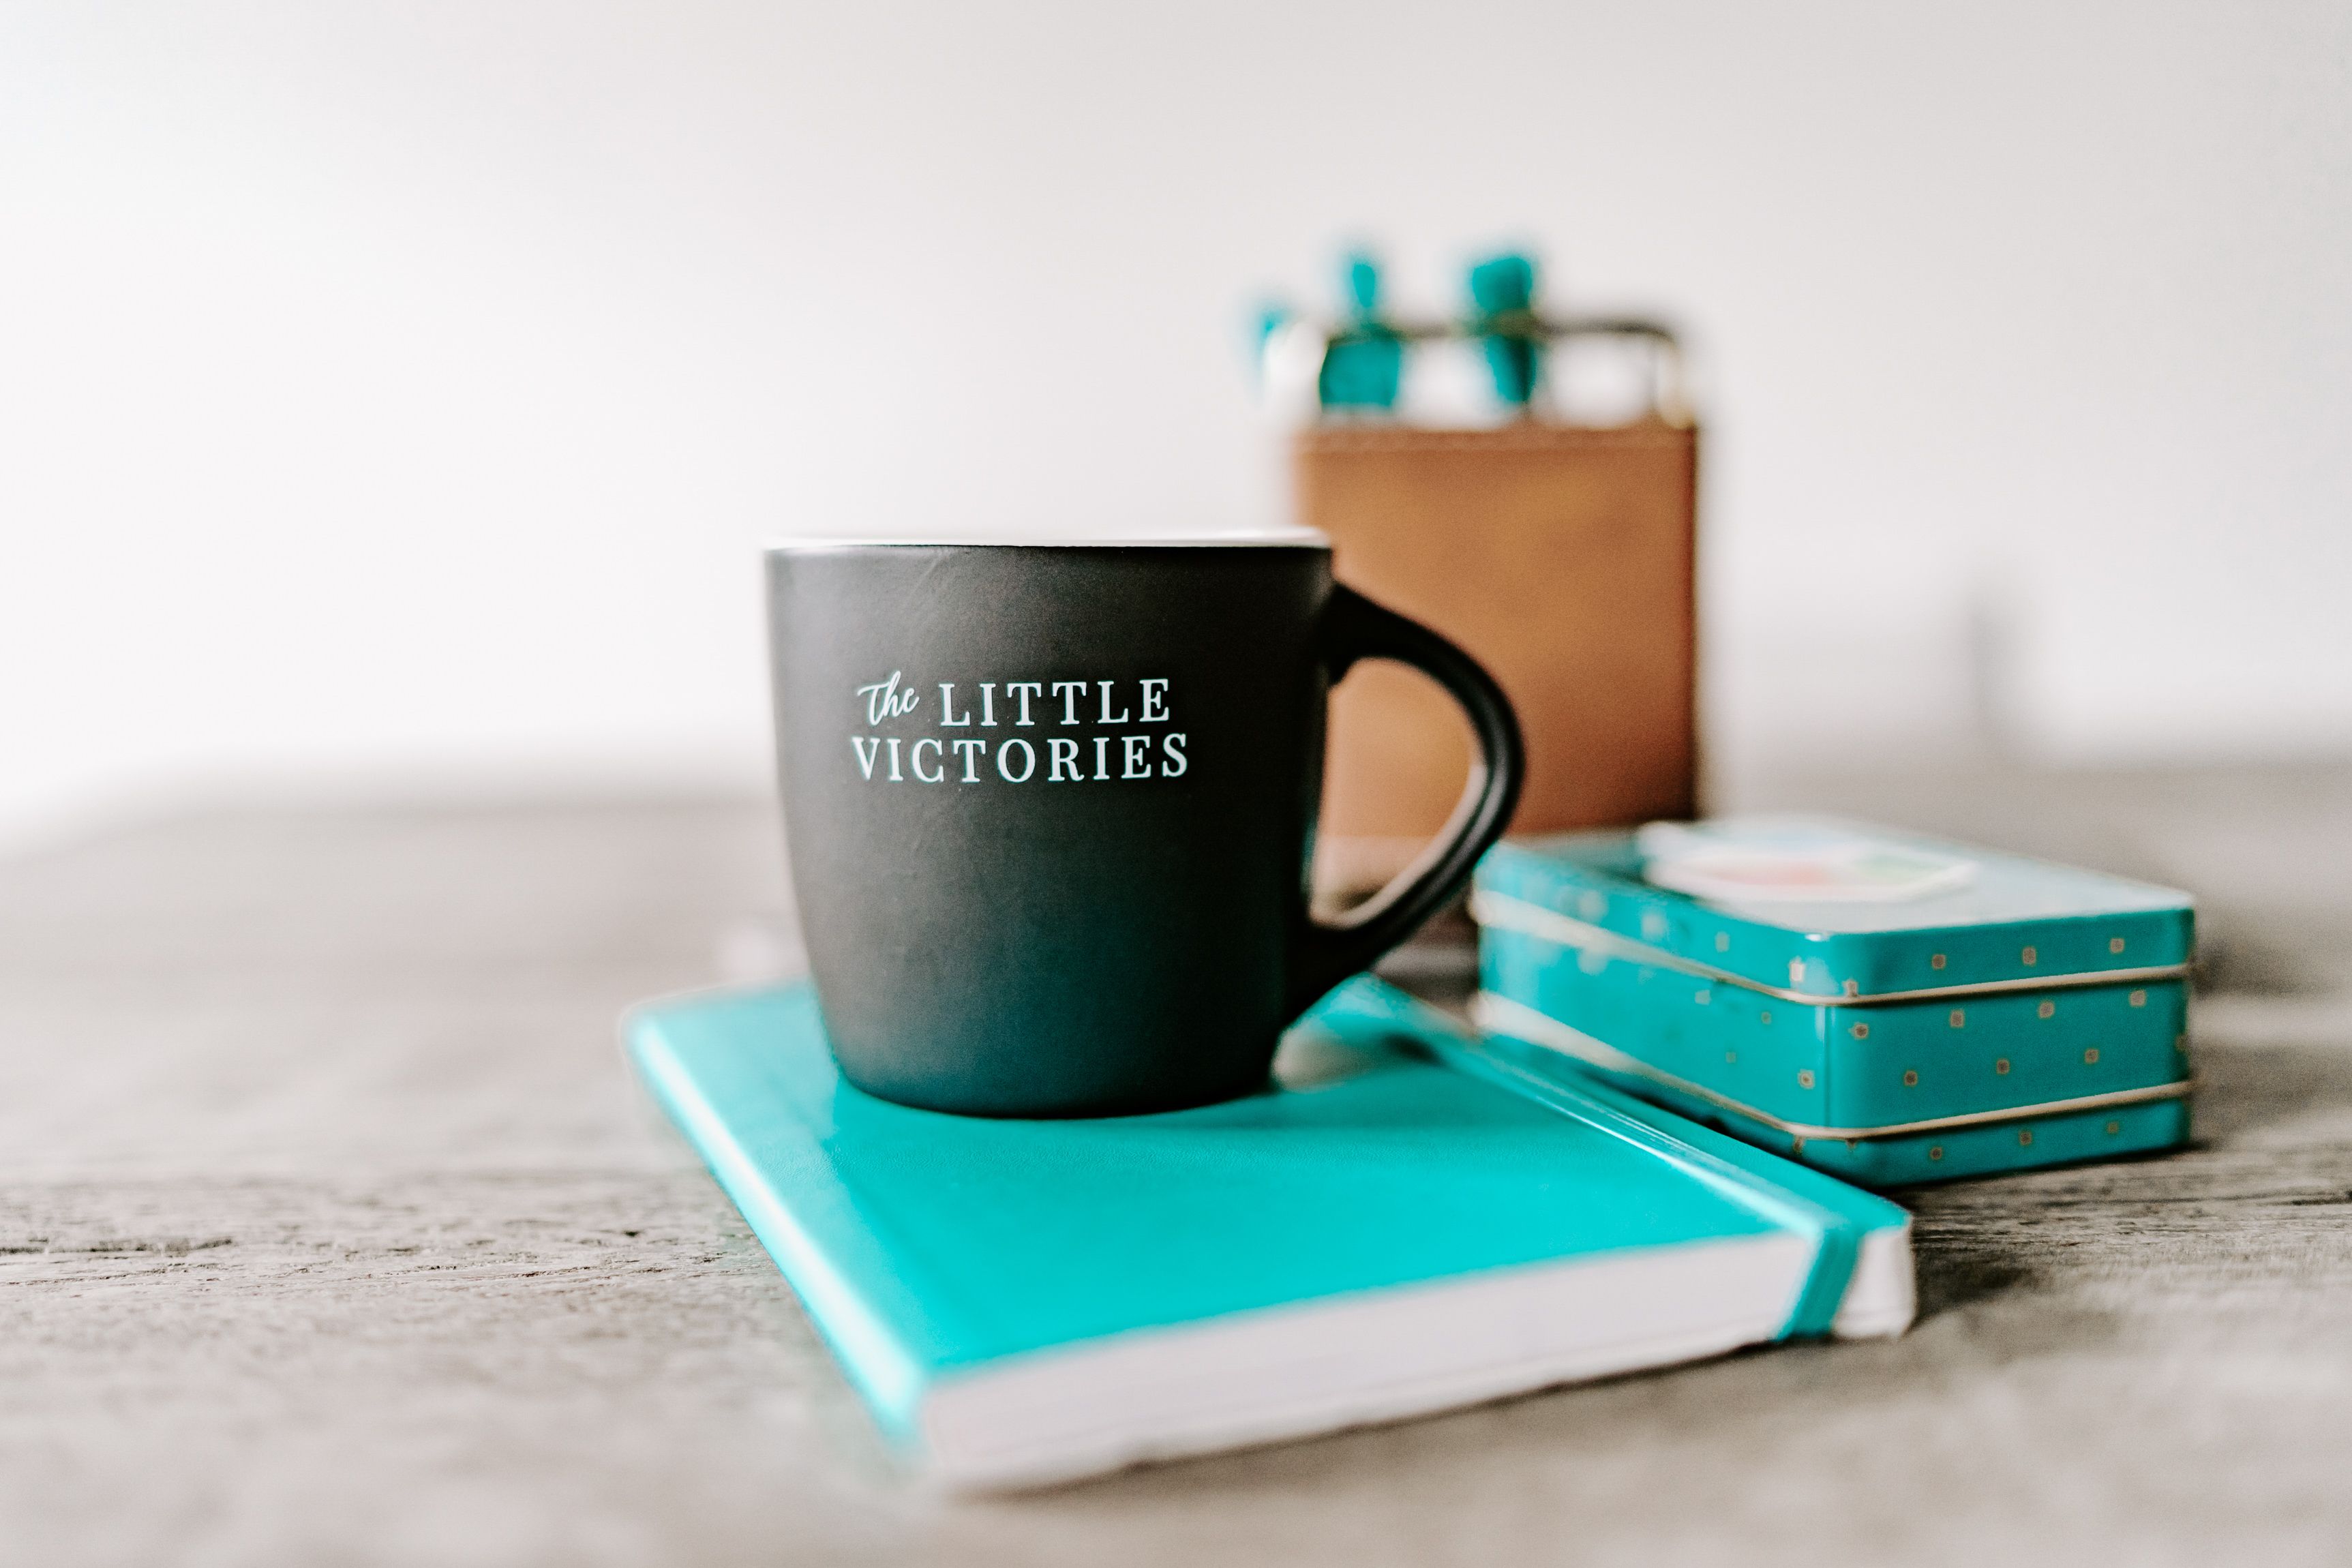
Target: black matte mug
1050 809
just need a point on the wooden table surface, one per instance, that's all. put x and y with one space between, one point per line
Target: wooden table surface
332 1230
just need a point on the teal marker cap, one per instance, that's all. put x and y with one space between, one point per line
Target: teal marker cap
1502 306
1364 363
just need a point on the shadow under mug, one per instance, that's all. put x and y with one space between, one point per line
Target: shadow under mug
1050 809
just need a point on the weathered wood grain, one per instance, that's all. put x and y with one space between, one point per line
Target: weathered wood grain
331 1230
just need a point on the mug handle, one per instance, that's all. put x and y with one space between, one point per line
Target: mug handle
1354 627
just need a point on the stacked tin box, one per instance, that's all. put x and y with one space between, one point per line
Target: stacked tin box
1888 1007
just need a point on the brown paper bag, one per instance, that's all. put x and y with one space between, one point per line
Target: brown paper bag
1561 557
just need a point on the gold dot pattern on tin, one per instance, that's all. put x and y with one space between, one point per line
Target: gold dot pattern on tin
2001 1067
2115 944
2047 1010
2139 998
2025 1137
1910 1079
1861 1031
1935 1152
2114 1128
2029 958
1959 1018
1804 1078
2091 1058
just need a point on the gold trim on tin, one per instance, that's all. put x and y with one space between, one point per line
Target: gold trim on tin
1503 912
1501 1016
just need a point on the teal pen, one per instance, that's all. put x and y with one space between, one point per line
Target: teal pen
1502 306
1365 357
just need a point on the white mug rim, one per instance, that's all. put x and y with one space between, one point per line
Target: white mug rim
1259 539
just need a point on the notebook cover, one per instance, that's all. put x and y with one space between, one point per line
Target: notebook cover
932 1250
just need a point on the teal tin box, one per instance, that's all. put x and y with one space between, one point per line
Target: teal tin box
1888 1007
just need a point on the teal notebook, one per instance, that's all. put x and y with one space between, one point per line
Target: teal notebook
1412 1219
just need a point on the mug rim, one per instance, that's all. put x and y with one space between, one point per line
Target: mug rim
1255 539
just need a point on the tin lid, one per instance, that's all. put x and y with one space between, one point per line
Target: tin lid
1819 909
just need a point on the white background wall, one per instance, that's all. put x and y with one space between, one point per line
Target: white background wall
399 391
